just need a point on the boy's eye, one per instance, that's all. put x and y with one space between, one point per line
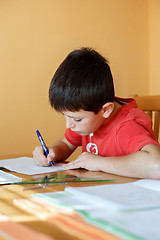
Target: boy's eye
77 120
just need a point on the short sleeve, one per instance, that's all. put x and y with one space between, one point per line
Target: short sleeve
131 137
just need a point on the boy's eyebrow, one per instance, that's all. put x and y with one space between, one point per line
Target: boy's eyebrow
66 115
71 116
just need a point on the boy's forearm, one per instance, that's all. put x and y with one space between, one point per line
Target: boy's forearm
141 164
62 150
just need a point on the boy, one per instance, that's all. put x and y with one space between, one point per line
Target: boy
115 136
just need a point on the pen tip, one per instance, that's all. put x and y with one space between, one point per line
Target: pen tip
51 162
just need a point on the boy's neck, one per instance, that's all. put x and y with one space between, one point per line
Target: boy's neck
115 109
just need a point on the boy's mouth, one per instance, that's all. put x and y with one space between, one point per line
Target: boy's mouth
79 132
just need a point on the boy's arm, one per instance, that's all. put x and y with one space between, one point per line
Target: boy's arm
59 151
142 164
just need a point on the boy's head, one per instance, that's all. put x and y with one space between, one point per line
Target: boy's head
82 81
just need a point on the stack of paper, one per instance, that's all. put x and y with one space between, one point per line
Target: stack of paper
6 178
130 210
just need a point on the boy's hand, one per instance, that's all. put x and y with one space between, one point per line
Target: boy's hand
86 160
39 157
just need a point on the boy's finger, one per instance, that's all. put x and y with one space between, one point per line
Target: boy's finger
72 165
50 158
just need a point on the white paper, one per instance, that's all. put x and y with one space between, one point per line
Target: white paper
149 183
142 224
7 178
126 196
26 165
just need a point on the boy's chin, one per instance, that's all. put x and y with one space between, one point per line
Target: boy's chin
84 134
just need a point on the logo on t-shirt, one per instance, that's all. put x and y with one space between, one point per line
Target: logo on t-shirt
92 148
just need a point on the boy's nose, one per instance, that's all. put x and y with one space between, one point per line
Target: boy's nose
69 123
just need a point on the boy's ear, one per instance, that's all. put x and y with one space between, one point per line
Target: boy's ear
107 109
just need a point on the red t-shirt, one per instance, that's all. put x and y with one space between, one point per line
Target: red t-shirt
129 130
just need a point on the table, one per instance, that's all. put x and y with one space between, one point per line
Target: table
61 226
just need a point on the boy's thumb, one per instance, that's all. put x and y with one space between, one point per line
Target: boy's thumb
51 156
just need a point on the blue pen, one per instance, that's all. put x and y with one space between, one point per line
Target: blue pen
46 152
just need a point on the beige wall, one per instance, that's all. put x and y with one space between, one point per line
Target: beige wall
36 35
154 47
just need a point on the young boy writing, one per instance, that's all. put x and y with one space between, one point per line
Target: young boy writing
115 136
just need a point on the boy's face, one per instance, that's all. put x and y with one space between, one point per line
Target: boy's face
84 122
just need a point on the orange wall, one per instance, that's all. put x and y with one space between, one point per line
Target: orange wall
154 47
36 35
